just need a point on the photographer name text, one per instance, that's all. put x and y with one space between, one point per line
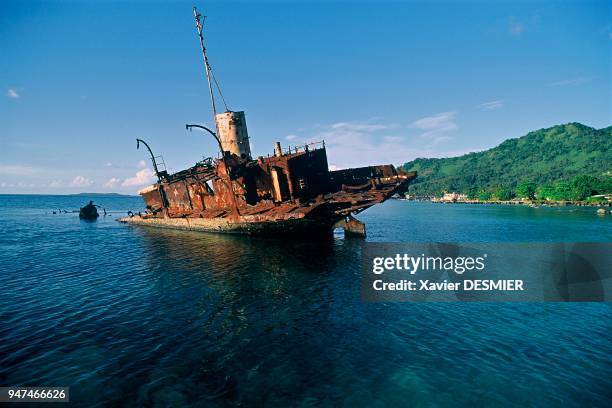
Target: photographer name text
453 265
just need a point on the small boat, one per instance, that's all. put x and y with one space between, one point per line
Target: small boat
89 212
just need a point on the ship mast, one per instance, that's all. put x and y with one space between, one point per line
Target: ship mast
210 77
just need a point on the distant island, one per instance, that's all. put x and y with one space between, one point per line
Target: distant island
102 194
570 162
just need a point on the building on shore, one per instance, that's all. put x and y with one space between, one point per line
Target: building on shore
451 198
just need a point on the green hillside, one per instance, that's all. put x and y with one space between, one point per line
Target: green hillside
554 163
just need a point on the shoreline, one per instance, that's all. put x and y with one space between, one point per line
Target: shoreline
530 203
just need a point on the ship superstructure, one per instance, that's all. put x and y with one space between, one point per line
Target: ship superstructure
288 192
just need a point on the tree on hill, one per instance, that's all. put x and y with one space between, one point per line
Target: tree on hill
586 186
528 166
526 189
503 194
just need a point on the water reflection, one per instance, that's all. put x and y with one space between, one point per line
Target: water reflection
225 261
142 317
253 309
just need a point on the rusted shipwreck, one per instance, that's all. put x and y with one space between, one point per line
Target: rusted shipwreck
289 192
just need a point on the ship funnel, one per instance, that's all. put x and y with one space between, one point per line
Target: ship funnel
233 133
278 152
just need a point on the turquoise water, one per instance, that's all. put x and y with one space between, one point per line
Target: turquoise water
136 316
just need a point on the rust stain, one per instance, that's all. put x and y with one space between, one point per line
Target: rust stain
286 192
291 185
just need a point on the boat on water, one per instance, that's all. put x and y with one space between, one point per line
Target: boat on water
289 192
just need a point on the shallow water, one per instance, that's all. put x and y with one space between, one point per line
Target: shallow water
138 316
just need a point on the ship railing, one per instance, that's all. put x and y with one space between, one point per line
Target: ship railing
205 162
160 163
305 147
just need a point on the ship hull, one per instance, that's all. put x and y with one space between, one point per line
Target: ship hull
292 192
285 195
288 227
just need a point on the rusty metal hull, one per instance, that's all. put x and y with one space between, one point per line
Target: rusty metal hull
286 194
293 227
317 217
290 192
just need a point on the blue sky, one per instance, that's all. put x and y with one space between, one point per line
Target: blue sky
381 82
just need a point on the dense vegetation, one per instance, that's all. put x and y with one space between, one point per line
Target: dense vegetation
565 162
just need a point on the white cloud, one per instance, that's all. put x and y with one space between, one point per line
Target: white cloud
80 181
438 121
492 105
360 127
17 170
142 177
291 137
142 164
441 139
515 28
357 144
108 164
56 183
112 183
12 93
571 81
436 124
393 139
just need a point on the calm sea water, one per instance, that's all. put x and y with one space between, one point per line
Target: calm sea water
135 316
